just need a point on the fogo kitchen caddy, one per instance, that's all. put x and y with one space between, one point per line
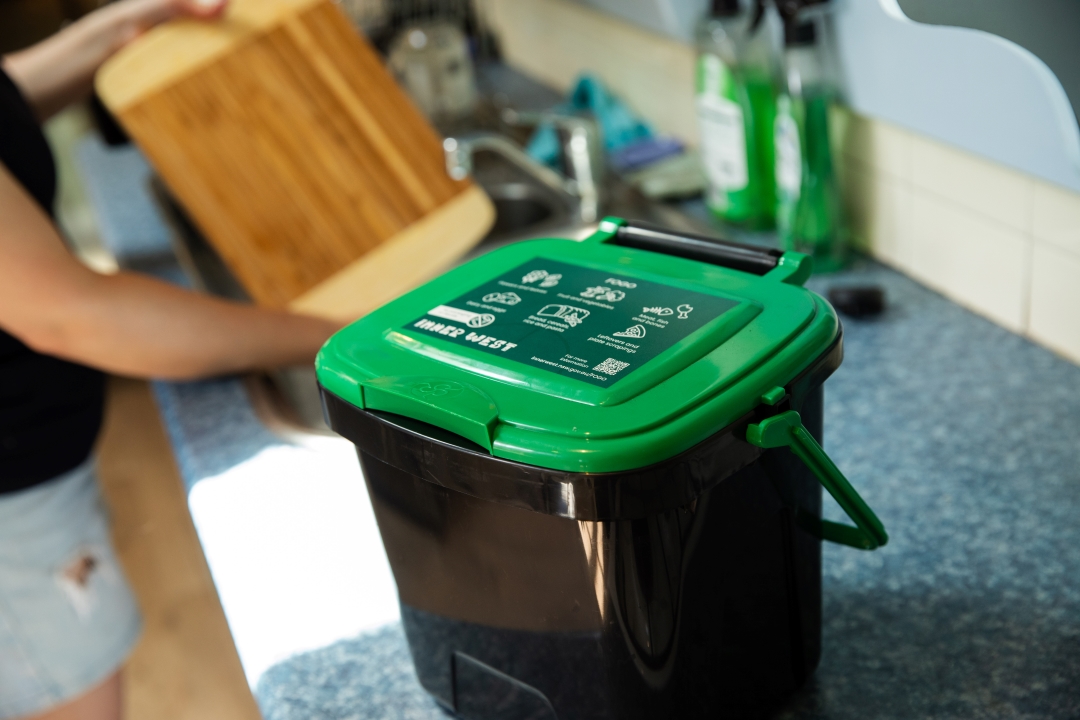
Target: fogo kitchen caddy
596 470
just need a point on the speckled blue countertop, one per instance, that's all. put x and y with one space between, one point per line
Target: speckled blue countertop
966 440
963 436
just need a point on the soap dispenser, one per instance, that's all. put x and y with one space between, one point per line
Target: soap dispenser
736 90
809 215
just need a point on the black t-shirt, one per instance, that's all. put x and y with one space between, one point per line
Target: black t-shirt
50 409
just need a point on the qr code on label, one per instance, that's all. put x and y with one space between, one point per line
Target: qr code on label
611 366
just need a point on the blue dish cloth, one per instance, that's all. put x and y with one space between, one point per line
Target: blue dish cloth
618 125
644 152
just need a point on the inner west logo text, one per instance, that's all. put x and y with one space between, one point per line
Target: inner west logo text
454 331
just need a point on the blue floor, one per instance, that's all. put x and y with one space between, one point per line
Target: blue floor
966 440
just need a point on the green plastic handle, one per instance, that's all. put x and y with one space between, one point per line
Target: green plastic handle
459 408
787 430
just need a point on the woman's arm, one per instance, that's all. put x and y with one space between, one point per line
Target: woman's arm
127 323
60 69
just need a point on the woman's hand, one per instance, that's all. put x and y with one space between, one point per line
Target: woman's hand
60 69
134 17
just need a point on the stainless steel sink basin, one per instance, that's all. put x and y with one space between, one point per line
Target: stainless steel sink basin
524 206
518 207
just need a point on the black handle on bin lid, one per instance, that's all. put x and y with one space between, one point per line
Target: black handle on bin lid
737 256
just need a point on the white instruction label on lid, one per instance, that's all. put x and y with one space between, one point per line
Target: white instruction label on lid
472 319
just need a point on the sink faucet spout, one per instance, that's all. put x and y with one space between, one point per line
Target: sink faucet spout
579 149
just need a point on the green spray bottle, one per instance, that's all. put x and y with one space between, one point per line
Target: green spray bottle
736 91
809 214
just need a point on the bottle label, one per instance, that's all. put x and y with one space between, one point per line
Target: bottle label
723 132
788 153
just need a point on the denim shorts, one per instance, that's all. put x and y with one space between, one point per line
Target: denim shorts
67 616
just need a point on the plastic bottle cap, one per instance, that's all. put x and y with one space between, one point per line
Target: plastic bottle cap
858 301
803 33
725 8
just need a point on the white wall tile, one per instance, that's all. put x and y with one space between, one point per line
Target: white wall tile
1056 217
979 263
879 210
876 144
982 186
556 40
1055 300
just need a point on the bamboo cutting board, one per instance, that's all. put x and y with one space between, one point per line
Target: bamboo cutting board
315 178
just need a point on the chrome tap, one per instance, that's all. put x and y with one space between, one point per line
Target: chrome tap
582 148
459 154
582 152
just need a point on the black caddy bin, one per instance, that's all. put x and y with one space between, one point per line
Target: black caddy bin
596 471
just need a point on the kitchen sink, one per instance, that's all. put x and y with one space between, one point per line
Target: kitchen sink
524 207
518 208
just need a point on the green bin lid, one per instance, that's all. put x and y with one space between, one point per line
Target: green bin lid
583 356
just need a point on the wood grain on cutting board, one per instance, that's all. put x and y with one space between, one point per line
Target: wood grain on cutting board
291 146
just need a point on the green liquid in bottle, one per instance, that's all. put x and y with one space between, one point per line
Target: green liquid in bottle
808 212
736 110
